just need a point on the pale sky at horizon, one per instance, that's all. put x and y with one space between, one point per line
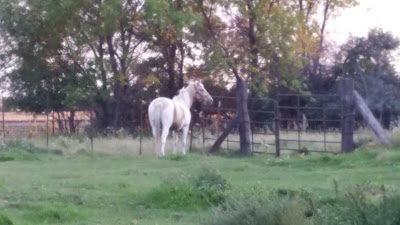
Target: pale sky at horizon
368 14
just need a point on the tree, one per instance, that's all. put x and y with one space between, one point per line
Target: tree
369 62
42 78
170 34
70 44
259 45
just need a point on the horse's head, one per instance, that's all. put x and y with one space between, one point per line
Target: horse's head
201 94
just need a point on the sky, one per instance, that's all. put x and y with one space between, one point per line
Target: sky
368 14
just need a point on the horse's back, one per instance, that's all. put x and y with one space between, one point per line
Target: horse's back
160 100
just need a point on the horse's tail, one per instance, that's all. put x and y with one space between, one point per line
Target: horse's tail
157 124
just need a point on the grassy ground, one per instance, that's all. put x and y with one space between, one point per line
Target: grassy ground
39 186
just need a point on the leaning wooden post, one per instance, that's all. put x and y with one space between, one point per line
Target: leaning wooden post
372 122
346 87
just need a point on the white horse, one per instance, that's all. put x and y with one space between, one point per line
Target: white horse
166 114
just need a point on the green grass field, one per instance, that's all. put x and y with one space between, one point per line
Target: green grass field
39 186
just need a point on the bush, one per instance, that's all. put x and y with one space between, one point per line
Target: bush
210 186
282 211
53 213
22 146
177 195
361 207
5 220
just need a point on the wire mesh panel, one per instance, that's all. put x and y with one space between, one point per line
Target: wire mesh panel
309 123
291 122
215 120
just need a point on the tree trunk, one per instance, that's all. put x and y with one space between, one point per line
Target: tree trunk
60 124
244 119
253 56
117 85
170 57
71 121
348 111
103 114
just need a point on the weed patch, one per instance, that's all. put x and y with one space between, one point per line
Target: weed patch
19 150
259 212
206 189
53 213
175 157
5 158
360 207
178 195
210 186
5 220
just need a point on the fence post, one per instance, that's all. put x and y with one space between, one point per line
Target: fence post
297 123
276 129
141 127
191 139
52 122
91 127
47 120
346 87
204 137
3 122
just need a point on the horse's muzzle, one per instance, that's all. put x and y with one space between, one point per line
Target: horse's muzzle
208 102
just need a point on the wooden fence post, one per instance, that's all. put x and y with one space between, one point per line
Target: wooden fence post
276 127
3 121
346 88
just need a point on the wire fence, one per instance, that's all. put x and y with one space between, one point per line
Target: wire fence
289 122
279 125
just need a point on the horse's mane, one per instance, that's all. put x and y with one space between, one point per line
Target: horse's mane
183 89
179 91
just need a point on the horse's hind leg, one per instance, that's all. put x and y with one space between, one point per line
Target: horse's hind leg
174 140
156 141
164 136
185 131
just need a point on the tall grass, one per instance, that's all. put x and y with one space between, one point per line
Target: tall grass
363 205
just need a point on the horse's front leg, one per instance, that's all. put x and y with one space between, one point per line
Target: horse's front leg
185 131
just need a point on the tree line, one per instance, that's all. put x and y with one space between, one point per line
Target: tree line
113 55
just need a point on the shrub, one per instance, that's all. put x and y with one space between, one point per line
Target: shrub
361 207
54 213
15 150
210 186
177 195
256 212
22 146
5 220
